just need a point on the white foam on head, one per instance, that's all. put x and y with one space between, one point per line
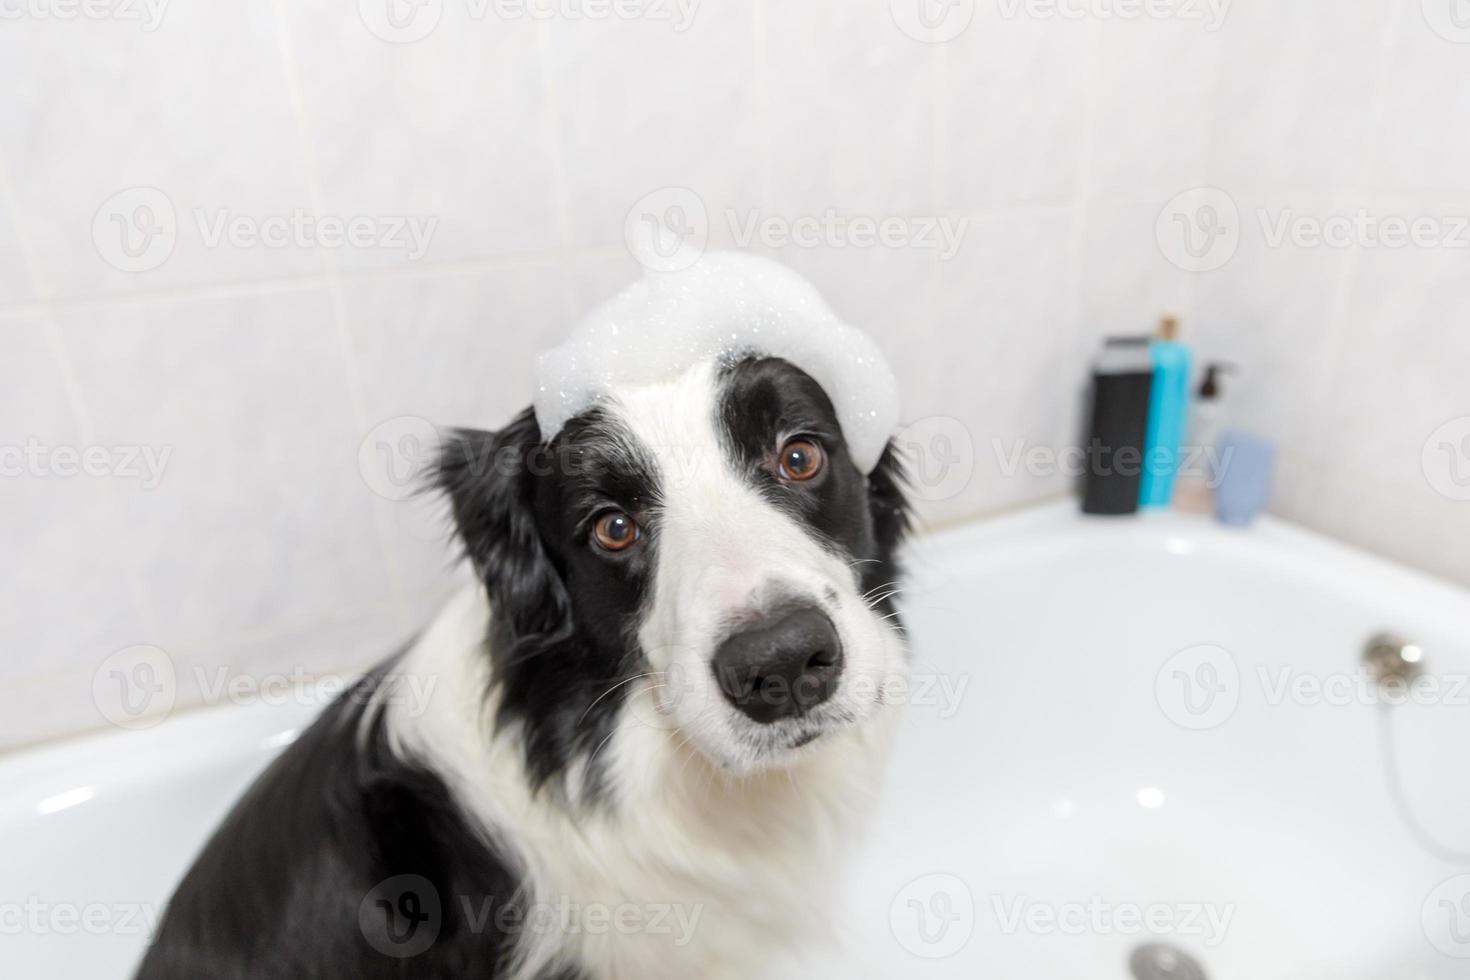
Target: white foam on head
725 304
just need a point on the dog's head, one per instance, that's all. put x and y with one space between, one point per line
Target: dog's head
700 554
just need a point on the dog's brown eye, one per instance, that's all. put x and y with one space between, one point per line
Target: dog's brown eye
615 530
801 459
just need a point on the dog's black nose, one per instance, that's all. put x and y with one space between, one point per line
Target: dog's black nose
780 667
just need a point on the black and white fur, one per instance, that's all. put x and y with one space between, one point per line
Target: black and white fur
577 752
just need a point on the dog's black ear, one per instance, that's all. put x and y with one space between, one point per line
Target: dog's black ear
489 478
887 501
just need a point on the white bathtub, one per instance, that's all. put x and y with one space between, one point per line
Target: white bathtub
1064 791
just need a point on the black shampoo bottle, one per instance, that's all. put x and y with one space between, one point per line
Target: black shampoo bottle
1121 381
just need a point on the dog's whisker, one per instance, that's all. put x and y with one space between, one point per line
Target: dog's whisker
593 757
882 585
693 751
887 595
636 677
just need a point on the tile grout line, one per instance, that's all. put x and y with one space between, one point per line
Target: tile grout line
556 152
506 263
761 53
44 309
939 104
1082 188
1206 162
11 203
71 384
295 283
347 349
1348 265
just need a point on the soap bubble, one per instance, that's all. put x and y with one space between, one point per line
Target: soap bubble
727 303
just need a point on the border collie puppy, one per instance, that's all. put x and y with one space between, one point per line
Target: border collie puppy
657 716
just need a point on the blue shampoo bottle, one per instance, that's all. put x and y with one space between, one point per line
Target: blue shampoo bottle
1168 415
